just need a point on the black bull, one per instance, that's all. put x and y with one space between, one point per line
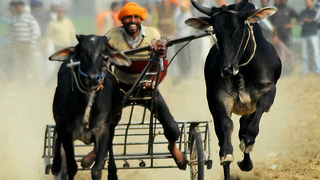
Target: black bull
241 73
87 103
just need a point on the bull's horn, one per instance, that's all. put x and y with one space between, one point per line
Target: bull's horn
201 8
241 5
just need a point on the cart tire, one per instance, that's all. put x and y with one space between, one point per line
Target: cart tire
197 160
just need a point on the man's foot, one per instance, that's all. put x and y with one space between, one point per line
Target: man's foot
178 156
88 160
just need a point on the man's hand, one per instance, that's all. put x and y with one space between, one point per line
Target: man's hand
159 47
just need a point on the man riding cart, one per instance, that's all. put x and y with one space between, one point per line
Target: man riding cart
134 35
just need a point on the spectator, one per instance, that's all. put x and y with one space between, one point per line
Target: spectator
43 18
201 46
309 36
111 19
163 19
264 3
181 68
41 15
13 8
265 24
54 7
108 20
286 56
221 3
23 36
237 1
136 34
61 31
149 6
283 22
101 22
124 2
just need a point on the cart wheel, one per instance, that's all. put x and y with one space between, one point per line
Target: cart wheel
196 155
126 165
142 164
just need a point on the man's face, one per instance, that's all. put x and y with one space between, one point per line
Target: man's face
20 8
117 9
131 24
265 3
61 14
13 9
309 4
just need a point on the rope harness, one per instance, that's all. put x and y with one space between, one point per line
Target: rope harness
80 85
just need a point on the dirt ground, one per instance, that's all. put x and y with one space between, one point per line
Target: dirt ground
287 147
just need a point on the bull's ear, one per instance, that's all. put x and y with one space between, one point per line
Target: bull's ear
119 59
198 23
258 14
62 55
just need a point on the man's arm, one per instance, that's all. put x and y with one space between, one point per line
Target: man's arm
295 16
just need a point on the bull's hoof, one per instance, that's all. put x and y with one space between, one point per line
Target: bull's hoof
245 165
86 164
225 160
244 148
55 169
112 176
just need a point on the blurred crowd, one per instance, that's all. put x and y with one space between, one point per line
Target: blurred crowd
278 30
35 33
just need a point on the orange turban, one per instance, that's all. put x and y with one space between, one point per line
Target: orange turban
175 1
132 9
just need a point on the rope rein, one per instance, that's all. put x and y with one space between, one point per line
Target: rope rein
255 46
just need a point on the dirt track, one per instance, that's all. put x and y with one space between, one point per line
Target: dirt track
286 148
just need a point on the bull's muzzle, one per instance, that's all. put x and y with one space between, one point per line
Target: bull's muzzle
229 71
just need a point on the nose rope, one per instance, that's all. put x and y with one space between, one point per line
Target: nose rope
85 75
83 89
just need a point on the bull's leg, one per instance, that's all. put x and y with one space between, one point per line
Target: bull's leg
102 143
112 168
68 147
219 104
247 142
246 164
57 160
224 130
89 159
226 171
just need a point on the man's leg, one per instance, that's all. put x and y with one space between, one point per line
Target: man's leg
305 60
171 131
316 53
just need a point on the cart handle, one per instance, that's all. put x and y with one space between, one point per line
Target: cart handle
169 43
